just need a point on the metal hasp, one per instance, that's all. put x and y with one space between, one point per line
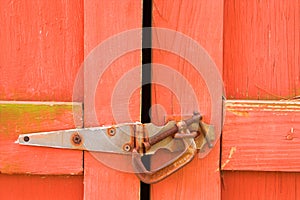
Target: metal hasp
185 136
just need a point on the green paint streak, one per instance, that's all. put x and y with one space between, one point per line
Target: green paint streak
21 118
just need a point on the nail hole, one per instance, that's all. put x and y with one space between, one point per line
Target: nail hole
26 139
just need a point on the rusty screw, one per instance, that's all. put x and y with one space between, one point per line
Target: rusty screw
111 131
76 138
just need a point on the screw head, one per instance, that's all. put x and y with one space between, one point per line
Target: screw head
127 147
76 138
111 131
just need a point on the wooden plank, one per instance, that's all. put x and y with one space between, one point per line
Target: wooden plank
41 49
20 187
27 117
261 135
261 61
260 185
261 49
41 52
104 19
203 22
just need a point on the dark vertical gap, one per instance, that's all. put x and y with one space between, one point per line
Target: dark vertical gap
83 127
223 97
146 83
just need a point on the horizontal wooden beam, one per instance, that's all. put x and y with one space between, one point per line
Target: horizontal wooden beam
247 185
18 117
41 187
261 135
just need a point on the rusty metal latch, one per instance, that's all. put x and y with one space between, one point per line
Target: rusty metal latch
135 139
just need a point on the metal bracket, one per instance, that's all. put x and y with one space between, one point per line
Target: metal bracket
186 136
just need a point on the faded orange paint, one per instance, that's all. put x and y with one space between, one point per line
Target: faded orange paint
41 49
203 22
104 19
20 187
249 185
43 44
261 49
41 52
266 139
261 62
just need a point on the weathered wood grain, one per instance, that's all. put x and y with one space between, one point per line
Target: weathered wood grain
261 61
41 49
28 117
104 19
261 49
203 22
260 185
20 187
41 52
261 136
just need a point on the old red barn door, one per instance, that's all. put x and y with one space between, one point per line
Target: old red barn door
67 64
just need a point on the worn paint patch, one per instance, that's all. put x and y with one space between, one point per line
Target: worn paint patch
231 152
19 117
239 112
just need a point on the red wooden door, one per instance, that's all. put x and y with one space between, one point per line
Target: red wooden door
254 44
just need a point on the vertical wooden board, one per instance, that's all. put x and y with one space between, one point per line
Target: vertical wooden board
262 49
41 52
260 185
104 19
19 187
41 49
203 22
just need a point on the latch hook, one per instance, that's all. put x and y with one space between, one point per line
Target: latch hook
150 177
185 130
